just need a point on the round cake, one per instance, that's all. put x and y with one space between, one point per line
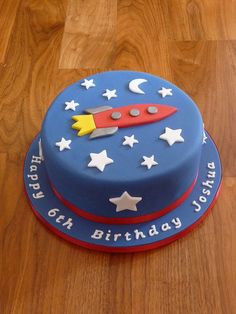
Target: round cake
156 162
122 148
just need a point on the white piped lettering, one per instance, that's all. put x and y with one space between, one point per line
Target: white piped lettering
68 223
108 235
177 222
206 192
153 231
38 195
198 207
139 234
53 212
202 199
36 159
211 174
208 183
117 236
33 168
60 218
33 177
165 227
97 234
127 236
35 186
211 165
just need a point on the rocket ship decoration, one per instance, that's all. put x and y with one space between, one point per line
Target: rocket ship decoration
105 120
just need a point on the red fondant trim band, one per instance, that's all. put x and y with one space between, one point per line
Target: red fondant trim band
125 221
125 249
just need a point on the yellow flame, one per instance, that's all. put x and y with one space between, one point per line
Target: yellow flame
84 123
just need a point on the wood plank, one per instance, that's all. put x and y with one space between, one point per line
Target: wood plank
137 39
185 20
8 10
31 64
206 71
88 40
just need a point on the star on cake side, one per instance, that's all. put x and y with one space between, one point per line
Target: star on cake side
88 83
71 105
130 141
100 160
63 144
125 202
165 92
110 94
149 162
172 136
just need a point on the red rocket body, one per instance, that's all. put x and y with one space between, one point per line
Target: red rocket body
104 119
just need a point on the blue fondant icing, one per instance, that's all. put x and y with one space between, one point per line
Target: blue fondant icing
88 188
48 207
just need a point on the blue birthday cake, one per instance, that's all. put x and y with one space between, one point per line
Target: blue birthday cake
125 157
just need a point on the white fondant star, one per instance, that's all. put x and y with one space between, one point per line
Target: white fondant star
63 144
172 136
149 162
125 202
88 83
71 105
204 137
130 140
100 160
110 94
165 92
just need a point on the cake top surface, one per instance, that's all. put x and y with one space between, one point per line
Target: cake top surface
134 151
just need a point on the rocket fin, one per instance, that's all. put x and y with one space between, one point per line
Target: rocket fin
97 109
84 124
100 132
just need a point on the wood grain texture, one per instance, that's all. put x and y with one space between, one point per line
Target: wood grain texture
137 36
190 43
89 36
199 19
206 70
8 10
191 19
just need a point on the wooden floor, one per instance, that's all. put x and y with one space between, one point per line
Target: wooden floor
46 45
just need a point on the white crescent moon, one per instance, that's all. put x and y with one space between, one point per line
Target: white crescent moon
134 86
